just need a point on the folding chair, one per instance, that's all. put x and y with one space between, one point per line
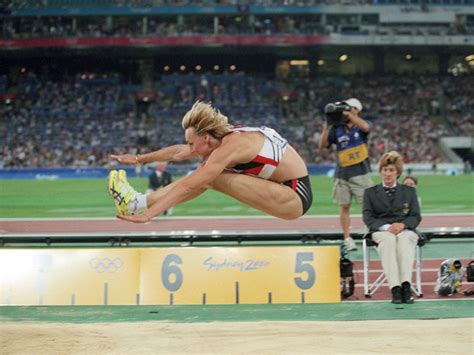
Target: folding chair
370 289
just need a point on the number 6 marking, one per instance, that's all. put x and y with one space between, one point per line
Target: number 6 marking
167 270
301 266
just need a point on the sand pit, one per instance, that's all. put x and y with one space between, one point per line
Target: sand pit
453 336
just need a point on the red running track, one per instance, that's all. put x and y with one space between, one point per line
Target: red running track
305 224
429 274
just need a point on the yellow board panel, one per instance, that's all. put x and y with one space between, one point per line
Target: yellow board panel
69 276
214 275
245 275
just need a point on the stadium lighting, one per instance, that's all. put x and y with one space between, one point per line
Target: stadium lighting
343 57
216 67
469 58
458 68
198 67
182 67
232 67
321 62
408 56
166 68
296 62
23 70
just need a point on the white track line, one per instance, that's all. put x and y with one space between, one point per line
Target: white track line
211 217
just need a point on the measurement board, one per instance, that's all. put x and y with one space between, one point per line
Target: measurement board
170 276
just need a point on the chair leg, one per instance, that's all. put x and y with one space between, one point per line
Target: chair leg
377 283
366 256
417 289
370 289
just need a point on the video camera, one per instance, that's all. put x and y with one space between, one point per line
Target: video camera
334 116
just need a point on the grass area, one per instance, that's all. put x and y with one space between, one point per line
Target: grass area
88 198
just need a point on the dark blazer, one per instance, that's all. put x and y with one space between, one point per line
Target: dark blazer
377 210
155 182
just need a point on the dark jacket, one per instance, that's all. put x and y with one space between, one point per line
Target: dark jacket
155 182
377 210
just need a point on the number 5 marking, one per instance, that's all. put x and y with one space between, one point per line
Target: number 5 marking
303 265
167 270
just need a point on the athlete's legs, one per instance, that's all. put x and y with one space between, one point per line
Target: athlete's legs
273 198
154 196
270 197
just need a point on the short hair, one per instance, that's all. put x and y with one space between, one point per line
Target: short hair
394 158
204 118
410 177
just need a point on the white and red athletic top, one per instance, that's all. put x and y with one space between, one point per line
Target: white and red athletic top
268 159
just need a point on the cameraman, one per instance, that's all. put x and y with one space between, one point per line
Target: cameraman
349 132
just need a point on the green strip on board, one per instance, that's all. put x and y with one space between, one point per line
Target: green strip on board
345 311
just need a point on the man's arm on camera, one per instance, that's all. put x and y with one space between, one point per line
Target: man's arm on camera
357 120
323 138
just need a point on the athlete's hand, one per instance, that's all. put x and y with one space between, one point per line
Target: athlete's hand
141 218
124 158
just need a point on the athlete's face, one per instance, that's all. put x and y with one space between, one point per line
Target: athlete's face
198 144
389 174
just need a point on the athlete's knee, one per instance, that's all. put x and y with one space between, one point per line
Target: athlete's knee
292 213
291 216
221 182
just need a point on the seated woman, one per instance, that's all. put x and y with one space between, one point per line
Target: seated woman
391 212
253 165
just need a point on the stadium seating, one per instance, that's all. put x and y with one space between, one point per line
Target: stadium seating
96 114
147 3
118 18
62 117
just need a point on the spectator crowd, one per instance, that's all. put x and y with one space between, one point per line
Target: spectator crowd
408 114
21 4
78 121
230 24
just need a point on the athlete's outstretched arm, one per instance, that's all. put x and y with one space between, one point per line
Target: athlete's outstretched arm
189 186
178 152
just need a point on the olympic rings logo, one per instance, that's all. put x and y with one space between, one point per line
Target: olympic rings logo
106 265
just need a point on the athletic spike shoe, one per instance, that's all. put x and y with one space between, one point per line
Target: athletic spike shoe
121 191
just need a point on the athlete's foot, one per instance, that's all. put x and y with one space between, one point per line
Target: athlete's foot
121 191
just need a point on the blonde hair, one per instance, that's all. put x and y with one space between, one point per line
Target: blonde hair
394 158
206 119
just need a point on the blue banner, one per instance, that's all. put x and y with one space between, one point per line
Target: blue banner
99 173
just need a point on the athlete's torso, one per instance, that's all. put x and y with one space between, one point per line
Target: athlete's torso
269 157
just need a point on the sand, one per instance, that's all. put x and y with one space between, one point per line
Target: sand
447 336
